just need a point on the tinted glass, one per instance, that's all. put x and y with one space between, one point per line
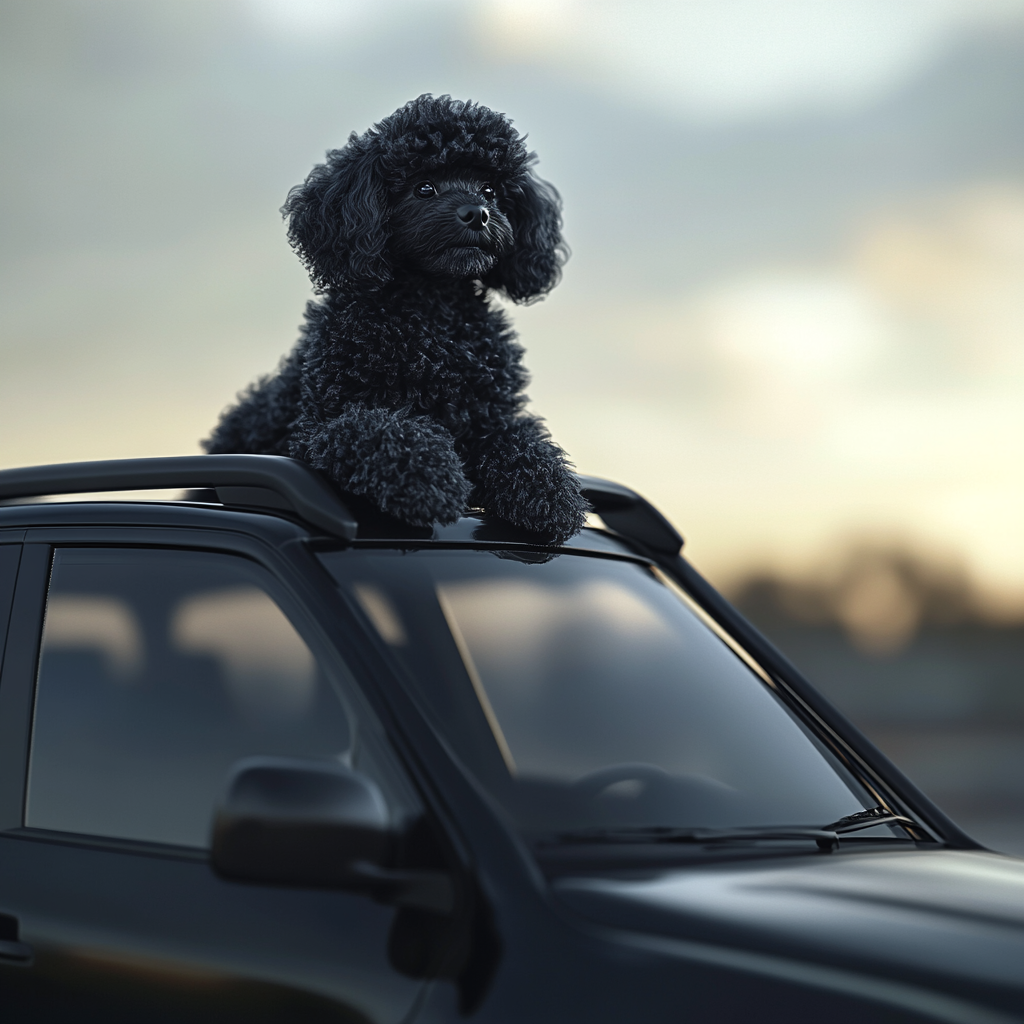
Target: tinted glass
158 670
585 692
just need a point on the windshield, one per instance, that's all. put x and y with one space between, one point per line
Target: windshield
584 692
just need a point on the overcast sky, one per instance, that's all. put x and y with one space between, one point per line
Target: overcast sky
795 309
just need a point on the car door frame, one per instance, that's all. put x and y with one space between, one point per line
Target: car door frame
11 549
287 561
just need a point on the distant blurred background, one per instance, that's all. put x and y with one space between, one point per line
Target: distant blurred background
794 317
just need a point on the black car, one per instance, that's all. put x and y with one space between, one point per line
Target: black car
268 755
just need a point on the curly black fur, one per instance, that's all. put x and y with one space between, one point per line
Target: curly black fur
406 385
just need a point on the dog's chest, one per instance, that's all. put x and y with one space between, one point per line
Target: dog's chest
435 356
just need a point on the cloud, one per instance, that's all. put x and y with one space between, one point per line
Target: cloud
809 326
710 59
308 20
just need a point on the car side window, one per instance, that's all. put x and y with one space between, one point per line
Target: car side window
158 670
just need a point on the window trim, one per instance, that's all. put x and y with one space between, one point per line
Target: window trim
18 682
10 552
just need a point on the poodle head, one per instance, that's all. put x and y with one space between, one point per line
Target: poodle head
441 186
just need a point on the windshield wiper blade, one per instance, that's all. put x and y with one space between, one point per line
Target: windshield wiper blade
698 836
827 837
868 819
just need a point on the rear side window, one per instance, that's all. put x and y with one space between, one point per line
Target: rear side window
158 670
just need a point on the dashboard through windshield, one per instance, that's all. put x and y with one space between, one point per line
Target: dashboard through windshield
586 693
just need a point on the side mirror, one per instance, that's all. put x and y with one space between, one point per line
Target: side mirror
299 822
305 822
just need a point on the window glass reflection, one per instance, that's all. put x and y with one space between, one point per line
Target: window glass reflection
268 670
158 670
586 693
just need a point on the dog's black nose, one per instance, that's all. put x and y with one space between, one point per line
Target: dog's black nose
473 217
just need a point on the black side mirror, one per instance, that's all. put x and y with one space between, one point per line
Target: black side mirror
293 821
299 822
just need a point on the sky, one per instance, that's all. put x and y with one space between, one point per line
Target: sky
793 317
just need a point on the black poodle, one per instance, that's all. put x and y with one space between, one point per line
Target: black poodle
406 384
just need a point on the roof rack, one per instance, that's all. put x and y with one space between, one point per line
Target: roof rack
272 481
631 515
267 481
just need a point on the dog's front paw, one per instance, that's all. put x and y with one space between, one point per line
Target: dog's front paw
406 465
526 480
552 506
431 490
567 508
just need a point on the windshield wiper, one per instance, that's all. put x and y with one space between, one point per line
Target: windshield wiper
868 819
827 837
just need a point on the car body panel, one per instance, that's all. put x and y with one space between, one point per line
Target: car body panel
104 924
949 919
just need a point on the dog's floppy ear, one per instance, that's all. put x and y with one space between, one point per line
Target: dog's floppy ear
337 219
534 265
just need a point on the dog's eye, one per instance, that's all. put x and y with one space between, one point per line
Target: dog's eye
487 191
424 190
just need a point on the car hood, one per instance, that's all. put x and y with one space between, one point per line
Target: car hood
942 921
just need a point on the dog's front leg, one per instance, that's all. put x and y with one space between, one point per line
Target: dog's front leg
407 465
524 477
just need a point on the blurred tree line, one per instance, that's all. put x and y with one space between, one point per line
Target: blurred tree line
919 659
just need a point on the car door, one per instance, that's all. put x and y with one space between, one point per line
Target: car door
134 676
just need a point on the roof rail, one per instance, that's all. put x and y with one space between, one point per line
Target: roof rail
268 481
273 481
631 515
